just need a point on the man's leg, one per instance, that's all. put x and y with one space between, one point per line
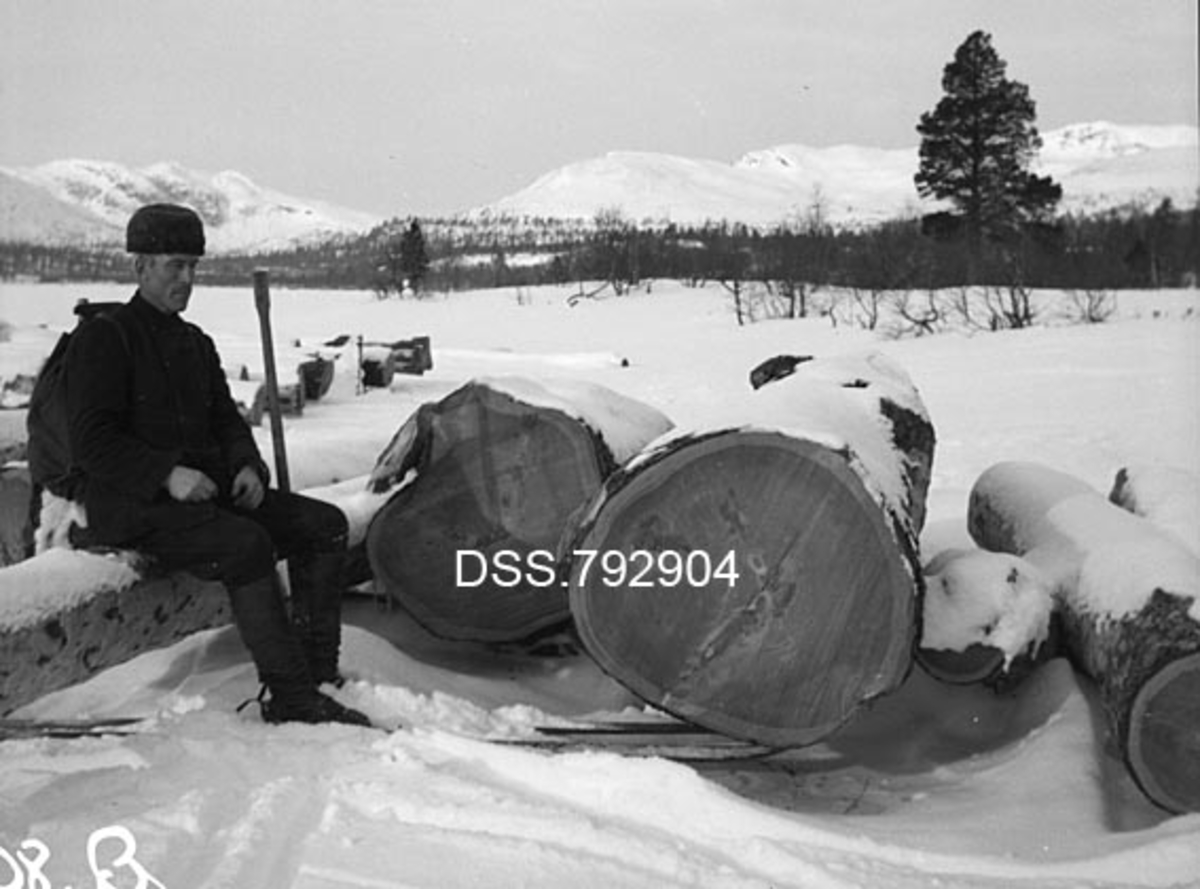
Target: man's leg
311 535
240 553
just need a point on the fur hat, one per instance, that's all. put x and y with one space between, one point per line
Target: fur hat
165 228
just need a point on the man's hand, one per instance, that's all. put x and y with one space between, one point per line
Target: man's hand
189 485
247 489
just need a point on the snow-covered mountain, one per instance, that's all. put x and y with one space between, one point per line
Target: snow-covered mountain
86 201
1100 165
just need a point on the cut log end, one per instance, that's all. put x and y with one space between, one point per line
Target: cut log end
975 663
819 618
468 548
1164 736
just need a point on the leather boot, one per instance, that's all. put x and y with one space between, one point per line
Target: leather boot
261 618
317 581
309 705
262 621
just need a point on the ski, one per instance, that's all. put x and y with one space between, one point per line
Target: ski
676 741
12 729
668 740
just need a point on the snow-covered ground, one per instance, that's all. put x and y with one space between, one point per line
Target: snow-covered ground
935 786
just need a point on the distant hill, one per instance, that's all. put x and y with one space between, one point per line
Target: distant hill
88 202
1100 166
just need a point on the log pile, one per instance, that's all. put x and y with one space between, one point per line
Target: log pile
1126 595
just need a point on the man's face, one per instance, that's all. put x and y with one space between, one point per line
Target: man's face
165 280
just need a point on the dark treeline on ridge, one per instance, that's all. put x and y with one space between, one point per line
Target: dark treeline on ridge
1119 249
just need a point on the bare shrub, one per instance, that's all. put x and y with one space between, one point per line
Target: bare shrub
1091 306
915 315
1009 307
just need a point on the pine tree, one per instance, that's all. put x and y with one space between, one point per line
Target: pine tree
976 149
414 260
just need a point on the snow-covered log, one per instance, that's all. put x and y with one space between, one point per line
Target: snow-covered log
486 480
65 615
987 618
316 377
760 576
1128 600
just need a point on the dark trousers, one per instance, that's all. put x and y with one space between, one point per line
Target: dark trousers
238 546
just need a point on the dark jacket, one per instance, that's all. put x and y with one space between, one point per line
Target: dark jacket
142 400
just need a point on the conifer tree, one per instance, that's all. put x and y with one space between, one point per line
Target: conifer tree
976 149
414 259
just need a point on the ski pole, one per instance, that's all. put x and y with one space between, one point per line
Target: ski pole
262 302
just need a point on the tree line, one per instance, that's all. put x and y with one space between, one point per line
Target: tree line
1118 249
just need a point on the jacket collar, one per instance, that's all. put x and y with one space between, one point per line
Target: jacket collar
152 316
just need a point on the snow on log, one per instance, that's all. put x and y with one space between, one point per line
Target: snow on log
760 576
486 480
987 618
1167 496
1129 605
65 615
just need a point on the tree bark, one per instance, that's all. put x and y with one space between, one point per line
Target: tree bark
1128 604
812 492
16 527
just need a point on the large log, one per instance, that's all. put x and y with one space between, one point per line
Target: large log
468 542
65 615
812 492
1128 602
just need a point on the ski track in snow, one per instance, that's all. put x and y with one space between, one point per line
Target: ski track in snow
933 786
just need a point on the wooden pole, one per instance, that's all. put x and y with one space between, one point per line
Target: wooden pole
262 302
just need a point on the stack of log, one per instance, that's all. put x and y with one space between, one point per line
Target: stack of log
758 575
1120 596
309 380
757 572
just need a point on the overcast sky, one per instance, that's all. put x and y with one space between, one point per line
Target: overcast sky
405 107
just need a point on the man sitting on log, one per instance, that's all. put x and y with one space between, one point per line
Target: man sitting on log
168 467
